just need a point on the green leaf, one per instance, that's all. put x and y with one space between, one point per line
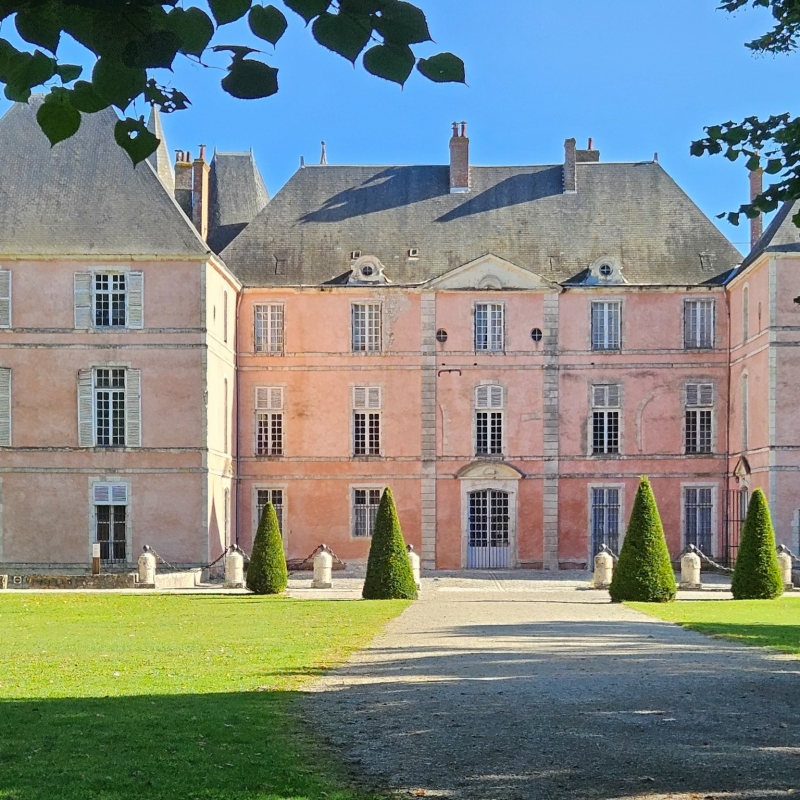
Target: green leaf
308 9
39 25
85 99
193 26
29 70
402 23
68 72
345 35
226 11
58 120
753 163
267 22
391 62
362 6
443 68
158 50
115 82
134 138
16 94
774 166
249 80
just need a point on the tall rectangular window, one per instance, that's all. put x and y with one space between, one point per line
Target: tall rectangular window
489 420
274 496
605 519
366 421
698 417
366 327
606 326
110 300
110 519
489 327
698 507
109 405
605 419
269 421
365 510
698 324
268 328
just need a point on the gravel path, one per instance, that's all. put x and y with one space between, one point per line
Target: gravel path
525 690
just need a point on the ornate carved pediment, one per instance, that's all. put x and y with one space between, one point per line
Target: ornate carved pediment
490 272
489 471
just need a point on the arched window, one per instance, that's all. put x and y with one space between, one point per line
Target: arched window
745 314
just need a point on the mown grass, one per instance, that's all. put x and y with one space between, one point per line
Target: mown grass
764 623
116 696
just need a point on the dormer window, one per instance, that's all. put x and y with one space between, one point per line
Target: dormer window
413 252
605 271
367 269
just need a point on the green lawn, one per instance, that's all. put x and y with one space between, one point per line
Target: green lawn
765 623
163 696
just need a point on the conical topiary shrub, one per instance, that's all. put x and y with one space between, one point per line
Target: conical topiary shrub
757 574
267 572
389 575
644 572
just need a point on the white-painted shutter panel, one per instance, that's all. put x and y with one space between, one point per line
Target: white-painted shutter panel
699 394
101 493
706 394
133 408
135 299
110 493
613 395
83 299
269 398
482 397
5 407
489 397
373 397
85 409
606 396
5 298
367 397
119 493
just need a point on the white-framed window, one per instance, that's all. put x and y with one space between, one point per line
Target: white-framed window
269 421
489 327
698 416
5 407
605 517
109 407
606 325
365 511
5 298
109 299
366 420
605 418
366 323
698 517
268 332
110 502
698 324
489 405
277 497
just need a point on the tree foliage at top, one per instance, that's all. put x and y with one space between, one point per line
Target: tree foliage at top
772 144
132 40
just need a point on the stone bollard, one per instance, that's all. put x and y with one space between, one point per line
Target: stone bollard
414 559
690 571
603 570
147 567
323 564
785 563
234 568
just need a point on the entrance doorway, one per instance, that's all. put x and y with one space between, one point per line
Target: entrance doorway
488 530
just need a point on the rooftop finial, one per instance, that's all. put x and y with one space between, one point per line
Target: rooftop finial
323 159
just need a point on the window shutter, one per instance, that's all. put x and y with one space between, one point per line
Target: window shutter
119 493
482 397
101 493
269 398
496 396
692 394
613 395
133 408
5 298
373 397
5 407
135 299
85 409
359 397
706 394
276 398
606 396
83 299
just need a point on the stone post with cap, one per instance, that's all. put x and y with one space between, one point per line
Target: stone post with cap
323 564
147 566
603 569
690 570
785 563
234 568
415 564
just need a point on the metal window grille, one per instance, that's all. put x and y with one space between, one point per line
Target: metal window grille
269 328
698 324
488 433
110 300
366 328
606 326
697 513
489 327
269 434
605 519
365 510
109 400
366 433
274 496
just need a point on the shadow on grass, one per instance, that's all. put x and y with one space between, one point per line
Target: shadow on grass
238 746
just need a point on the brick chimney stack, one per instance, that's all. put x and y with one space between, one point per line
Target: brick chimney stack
183 181
200 172
756 187
459 159
570 172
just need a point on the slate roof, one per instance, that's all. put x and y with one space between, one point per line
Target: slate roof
780 236
236 195
83 196
631 211
160 160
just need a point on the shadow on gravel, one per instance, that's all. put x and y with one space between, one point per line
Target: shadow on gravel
594 710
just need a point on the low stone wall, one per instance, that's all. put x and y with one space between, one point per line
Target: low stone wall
102 581
178 580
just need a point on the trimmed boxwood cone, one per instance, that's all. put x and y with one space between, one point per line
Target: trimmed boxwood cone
757 574
267 572
389 575
644 572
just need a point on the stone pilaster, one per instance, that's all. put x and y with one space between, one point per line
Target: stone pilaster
428 431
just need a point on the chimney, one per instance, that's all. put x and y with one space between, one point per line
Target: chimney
459 159
183 181
570 176
590 155
756 187
200 171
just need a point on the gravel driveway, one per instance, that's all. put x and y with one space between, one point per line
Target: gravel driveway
494 689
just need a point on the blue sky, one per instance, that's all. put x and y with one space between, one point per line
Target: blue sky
636 75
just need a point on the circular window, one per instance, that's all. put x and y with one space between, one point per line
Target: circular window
367 270
605 270
536 334
441 335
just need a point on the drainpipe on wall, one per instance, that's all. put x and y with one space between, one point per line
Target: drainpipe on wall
237 478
